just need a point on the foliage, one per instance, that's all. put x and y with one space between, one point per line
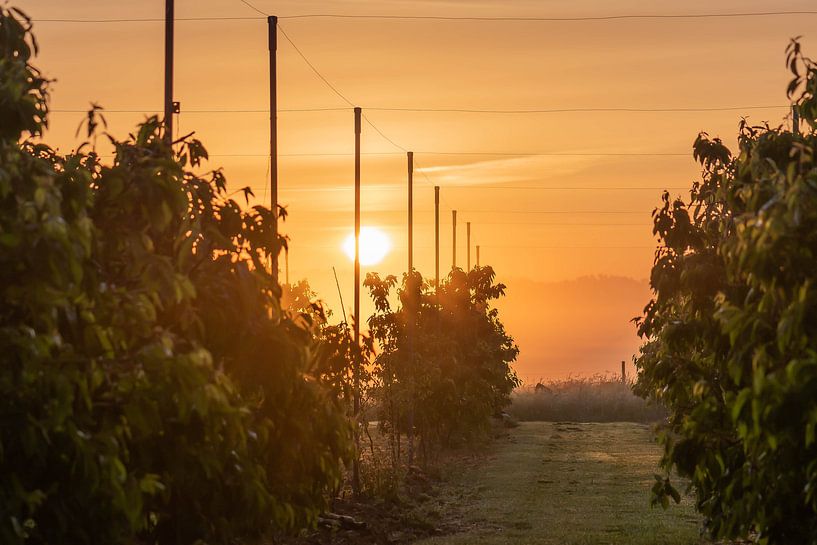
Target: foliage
732 329
150 385
455 373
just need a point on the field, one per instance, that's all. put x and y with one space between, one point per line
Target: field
567 483
599 398
560 483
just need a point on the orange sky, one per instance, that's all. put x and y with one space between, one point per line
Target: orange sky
539 240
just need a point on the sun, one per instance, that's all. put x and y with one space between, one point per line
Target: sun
374 245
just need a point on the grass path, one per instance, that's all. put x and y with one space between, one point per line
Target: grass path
567 483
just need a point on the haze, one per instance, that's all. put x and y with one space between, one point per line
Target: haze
561 211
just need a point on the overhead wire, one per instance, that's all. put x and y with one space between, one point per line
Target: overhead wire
395 154
203 111
314 69
343 97
252 7
553 19
506 211
453 110
634 16
386 138
139 19
574 110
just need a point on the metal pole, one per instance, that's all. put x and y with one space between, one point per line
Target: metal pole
795 119
437 236
169 20
454 247
468 240
356 465
411 306
272 27
410 156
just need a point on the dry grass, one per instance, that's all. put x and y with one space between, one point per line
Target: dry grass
600 398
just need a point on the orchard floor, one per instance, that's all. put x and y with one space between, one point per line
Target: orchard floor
569 483
541 483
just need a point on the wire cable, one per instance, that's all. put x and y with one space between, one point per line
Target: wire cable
143 20
386 138
576 110
215 111
315 70
555 154
401 187
255 9
654 16
566 188
454 153
504 211
554 19
461 110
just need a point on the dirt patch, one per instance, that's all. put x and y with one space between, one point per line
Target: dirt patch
432 503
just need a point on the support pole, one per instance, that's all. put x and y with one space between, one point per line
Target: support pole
477 255
169 21
623 373
795 119
272 29
468 240
412 309
356 465
437 236
410 156
454 240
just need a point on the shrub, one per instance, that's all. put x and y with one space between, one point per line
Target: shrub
150 385
460 374
732 329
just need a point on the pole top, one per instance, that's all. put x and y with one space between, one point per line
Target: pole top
272 30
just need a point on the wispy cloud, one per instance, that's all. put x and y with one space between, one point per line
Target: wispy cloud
508 169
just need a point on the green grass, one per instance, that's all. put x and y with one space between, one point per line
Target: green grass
567 483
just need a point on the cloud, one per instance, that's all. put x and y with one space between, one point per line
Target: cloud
525 168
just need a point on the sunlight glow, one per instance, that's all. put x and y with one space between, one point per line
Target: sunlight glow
374 245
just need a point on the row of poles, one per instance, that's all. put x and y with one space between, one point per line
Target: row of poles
171 107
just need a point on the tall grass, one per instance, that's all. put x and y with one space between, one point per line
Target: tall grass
599 398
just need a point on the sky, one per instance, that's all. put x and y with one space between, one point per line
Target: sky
559 202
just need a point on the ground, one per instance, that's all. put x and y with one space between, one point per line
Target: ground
566 483
541 483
